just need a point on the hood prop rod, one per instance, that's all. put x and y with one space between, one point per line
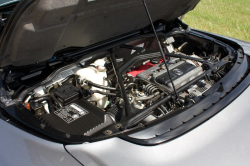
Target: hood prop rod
160 47
128 108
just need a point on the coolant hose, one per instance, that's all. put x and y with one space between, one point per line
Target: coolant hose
102 86
129 85
104 93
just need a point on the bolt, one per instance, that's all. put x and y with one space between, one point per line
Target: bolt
42 125
67 135
108 132
118 126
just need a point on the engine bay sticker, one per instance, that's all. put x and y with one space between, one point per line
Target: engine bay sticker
71 112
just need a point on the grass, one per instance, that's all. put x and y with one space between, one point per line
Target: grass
226 17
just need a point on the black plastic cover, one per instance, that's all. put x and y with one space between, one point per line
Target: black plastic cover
175 73
75 118
66 93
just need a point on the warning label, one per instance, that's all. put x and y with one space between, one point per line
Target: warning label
71 112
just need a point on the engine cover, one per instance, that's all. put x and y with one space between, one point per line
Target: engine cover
181 73
78 117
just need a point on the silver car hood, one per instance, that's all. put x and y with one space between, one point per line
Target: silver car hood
37 29
212 143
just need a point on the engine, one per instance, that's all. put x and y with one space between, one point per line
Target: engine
180 72
120 91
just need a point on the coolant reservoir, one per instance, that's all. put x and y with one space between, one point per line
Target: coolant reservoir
96 73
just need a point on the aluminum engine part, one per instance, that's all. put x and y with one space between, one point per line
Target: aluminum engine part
181 72
197 90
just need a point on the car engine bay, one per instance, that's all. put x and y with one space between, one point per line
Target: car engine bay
129 86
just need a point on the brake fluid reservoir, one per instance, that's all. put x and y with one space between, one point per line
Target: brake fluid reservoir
96 73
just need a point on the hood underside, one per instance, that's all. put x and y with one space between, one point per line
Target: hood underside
40 28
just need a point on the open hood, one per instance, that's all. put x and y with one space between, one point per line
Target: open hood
37 29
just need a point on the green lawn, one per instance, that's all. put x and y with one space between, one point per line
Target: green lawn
226 17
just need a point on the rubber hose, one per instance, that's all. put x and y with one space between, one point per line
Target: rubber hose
104 93
102 86
53 97
129 85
